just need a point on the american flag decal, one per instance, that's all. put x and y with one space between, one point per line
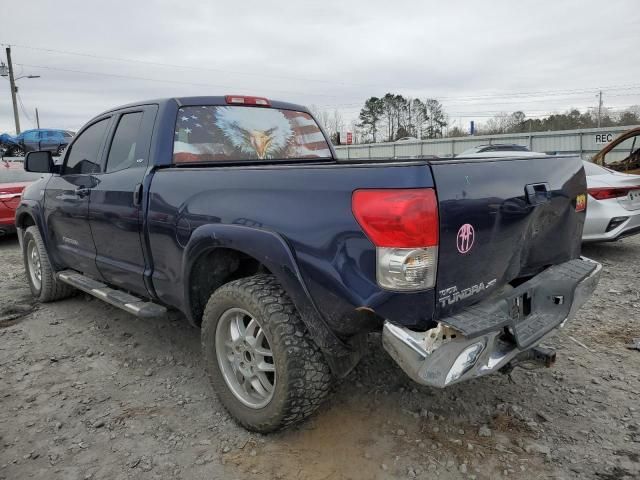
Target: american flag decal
231 133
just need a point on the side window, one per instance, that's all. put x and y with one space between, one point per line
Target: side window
31 136
83 157
123 146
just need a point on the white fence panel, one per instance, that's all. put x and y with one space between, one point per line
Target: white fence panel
585 142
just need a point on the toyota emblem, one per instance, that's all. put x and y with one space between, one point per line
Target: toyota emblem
465 238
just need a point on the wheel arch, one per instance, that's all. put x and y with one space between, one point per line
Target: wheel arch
24 220
29 213
243 251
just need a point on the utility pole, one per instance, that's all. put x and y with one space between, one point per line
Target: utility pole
37 118
14 90
599 107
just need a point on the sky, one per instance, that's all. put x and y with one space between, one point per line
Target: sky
478 58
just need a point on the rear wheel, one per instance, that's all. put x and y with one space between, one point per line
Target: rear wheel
265 369
42 281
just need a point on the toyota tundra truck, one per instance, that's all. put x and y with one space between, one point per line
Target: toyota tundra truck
236 211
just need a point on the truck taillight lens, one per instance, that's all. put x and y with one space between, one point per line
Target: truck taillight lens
403 225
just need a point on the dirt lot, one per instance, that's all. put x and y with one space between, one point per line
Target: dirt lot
90 392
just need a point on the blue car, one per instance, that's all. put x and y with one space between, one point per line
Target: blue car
6 143
42 139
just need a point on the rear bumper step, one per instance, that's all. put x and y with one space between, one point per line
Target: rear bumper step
117 298
473 343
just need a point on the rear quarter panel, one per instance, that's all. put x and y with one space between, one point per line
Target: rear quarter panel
309 206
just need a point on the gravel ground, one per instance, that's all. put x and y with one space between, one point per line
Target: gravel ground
90 392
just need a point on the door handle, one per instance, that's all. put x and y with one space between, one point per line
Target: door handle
537 193
137 195
82 192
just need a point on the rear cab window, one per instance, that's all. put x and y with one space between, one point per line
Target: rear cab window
235 133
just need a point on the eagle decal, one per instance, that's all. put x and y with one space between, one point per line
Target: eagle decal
261 132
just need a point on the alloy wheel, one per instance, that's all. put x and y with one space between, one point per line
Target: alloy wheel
245 358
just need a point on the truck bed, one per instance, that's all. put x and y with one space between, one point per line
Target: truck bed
309 205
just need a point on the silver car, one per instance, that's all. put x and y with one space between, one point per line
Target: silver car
613 204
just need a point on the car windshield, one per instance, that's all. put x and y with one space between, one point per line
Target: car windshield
221 133
11 174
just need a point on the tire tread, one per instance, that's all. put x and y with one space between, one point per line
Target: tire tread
51 289
308 375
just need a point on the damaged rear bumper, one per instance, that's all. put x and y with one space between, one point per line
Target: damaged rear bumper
498 331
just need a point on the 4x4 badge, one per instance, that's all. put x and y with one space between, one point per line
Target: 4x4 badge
465 238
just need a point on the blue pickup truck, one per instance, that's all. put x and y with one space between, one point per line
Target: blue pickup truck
236 211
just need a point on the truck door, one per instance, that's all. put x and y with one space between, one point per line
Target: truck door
115 208
67 200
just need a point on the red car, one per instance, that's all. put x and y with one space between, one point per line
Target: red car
13 179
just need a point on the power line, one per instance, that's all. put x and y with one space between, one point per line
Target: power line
529 113
160 80
462 101
509 97
24 110
288 77
188 67
546 93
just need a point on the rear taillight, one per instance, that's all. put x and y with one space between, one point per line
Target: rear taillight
245 100
604 193
398 218
403 225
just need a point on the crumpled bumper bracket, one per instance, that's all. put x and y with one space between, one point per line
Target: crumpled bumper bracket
434 357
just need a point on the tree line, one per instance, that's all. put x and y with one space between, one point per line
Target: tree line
517 122
393 116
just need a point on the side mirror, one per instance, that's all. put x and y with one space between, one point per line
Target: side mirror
39 162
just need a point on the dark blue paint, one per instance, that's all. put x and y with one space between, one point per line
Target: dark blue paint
515 236
296 220
309 206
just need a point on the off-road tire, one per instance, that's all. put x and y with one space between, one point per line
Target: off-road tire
303 376
51 289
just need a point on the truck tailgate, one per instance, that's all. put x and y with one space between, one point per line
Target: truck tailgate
503 220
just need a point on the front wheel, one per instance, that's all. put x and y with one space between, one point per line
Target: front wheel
15 152
41 276
265 369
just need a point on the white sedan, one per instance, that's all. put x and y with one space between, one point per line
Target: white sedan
613 204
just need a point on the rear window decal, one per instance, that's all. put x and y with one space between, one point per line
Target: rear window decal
221 133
